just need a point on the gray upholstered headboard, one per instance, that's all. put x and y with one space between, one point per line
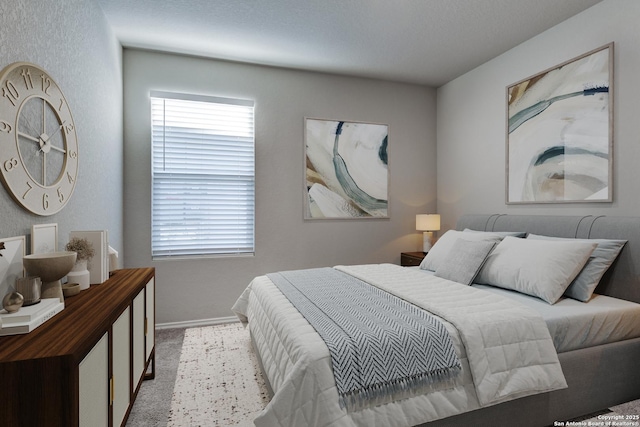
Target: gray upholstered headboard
622 280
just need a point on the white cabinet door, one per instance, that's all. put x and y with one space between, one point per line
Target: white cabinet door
94 386
138 338
121 366
151 317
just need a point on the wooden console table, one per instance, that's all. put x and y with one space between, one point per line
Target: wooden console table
84 366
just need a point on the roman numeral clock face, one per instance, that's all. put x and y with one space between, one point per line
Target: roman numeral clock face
38 142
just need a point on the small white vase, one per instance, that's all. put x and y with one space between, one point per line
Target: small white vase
79 274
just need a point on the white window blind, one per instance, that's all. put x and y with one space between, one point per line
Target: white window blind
203 181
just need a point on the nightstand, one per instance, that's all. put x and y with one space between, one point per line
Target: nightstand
411 259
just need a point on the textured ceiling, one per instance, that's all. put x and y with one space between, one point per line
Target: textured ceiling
419 41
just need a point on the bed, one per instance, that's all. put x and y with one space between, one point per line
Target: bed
598 358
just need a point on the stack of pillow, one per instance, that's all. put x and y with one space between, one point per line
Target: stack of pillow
541 266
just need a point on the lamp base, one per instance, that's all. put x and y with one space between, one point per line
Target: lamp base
427 241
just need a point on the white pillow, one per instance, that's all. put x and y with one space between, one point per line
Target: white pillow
542 268
587 280
440 251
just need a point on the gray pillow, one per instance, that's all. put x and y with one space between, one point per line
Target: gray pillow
465 260
599 262
540 268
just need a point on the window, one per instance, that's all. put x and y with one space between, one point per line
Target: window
203 185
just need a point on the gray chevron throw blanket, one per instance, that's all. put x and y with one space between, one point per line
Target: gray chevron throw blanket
381 346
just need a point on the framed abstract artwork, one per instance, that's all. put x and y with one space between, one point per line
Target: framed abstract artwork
560 133
12 250
346 170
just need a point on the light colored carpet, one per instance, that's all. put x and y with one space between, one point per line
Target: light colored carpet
151 406
215 386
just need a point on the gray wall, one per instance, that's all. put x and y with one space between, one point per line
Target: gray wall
206 288
72 41
471 116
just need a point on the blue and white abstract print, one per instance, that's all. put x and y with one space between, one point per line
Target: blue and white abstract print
346 169
559 133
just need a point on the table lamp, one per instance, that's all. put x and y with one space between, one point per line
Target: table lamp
427 223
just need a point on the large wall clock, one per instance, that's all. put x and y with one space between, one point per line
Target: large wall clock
38 142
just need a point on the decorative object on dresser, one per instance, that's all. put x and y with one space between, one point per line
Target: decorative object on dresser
113 260
12 250
427 223
411 259
99 265
29 318
83 367
12 302
79 273
346 170
70 289
29 287
39 146
50 267
560 132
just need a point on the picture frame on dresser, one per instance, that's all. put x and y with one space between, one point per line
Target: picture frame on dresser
44 238
12 250
559 132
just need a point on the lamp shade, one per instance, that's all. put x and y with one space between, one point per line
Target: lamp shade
428 222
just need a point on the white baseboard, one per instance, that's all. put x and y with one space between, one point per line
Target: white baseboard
198 323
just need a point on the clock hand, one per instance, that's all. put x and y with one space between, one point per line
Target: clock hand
27 124
34 139
29 137
45 144
56 148
24 120
46 137
59 129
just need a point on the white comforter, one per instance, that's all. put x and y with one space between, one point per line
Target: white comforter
504 347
